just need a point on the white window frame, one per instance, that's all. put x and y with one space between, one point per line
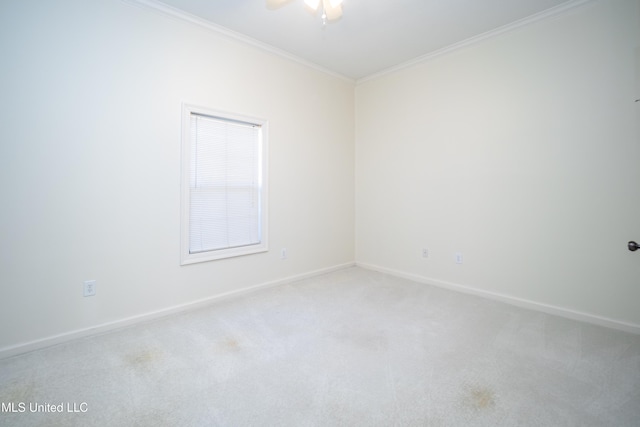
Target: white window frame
186 257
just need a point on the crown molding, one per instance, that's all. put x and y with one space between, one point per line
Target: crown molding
170 11
545 14
173 12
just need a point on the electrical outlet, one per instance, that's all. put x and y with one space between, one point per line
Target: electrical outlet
458 257
283 253
425 253
89 288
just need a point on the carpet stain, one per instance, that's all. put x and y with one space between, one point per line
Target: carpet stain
143 358
231 344
479 398
227 345
18 391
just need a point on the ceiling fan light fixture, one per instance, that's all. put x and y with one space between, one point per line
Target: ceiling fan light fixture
331 9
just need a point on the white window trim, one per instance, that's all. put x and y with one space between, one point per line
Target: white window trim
190 258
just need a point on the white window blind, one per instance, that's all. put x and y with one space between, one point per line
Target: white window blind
224 185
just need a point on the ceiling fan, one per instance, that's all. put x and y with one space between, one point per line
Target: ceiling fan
331 9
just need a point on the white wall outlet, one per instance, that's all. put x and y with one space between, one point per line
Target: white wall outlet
425 253
283 253
458 257
89 288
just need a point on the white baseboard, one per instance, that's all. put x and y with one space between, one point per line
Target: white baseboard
21 348
532 305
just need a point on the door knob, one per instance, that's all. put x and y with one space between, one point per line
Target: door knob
633 246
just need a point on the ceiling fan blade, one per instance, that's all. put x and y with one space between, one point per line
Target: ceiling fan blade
333 12
275 4
313 4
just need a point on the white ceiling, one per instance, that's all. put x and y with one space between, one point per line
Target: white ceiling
372 35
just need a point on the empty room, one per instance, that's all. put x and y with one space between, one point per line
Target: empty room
320 213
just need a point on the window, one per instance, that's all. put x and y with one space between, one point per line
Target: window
223 185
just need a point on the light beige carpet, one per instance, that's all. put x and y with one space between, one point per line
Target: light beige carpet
351 348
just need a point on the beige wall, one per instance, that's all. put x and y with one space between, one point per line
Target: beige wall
90 151
523 153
